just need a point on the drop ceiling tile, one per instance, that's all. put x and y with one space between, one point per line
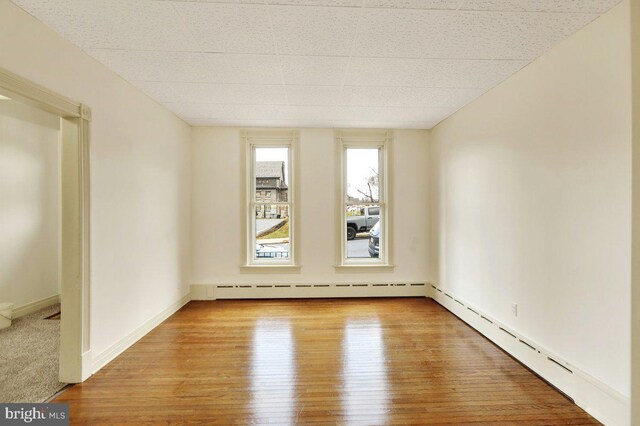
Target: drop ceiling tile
418 113
369 96
435 97
222 27
414 4
314 123
328 31
576 6
379 114
421 125
215 93
429 72
313 95
459 73
313 70
218 1
379 71
306 113
405 33
230 112
407 97
116 24
316 63
326 3
191 67
246 123
469 35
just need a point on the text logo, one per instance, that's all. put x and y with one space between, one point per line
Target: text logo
34 414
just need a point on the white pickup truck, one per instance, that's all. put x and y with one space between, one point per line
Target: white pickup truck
362 222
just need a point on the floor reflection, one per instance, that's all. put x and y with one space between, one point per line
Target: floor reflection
364 373
273 372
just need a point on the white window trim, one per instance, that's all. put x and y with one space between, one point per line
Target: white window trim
364 139
275 139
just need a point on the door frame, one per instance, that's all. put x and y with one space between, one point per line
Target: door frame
75 342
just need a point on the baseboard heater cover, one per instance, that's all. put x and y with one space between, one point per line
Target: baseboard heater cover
267 291
595 397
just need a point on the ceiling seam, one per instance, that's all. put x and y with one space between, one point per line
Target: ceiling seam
367 86
435 107
427 58
351 49
459 8
277 50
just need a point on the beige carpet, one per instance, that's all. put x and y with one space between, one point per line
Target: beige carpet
29 353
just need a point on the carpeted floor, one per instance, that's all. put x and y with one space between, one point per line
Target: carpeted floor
29 353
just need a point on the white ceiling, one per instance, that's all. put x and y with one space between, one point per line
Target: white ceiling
315 63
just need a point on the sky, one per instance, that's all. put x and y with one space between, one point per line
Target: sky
360 162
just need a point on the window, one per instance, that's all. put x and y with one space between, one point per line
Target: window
364 211
270 193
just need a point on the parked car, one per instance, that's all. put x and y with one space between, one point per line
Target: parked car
362 223
270 252
374 241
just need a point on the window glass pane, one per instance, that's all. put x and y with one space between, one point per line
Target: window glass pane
363 179
271 170
272 231
363 232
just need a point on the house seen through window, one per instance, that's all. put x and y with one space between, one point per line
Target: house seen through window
272 208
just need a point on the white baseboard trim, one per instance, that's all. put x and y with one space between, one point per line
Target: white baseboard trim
595 397
35 306
123 344
87 366
290 291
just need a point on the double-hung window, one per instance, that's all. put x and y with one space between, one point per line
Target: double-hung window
364 198
270 194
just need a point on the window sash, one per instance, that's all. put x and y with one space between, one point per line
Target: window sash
265 203
381 146
254 143
254 259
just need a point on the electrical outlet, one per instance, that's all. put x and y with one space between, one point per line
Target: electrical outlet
514 309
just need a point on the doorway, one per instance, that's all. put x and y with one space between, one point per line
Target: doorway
73 217
29 252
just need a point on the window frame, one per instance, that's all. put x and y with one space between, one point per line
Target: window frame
254 139
364 139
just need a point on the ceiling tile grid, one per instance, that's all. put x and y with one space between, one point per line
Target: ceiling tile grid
217 93
313 70
315 63
315 31
222 27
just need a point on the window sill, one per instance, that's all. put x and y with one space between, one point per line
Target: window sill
365 268
270 269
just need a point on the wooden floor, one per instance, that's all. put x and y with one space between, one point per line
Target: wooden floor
339 361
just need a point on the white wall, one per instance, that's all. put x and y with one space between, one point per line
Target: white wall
635 296
29 204
533 184
140 179
218 218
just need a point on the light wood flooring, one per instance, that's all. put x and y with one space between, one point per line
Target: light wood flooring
329 361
